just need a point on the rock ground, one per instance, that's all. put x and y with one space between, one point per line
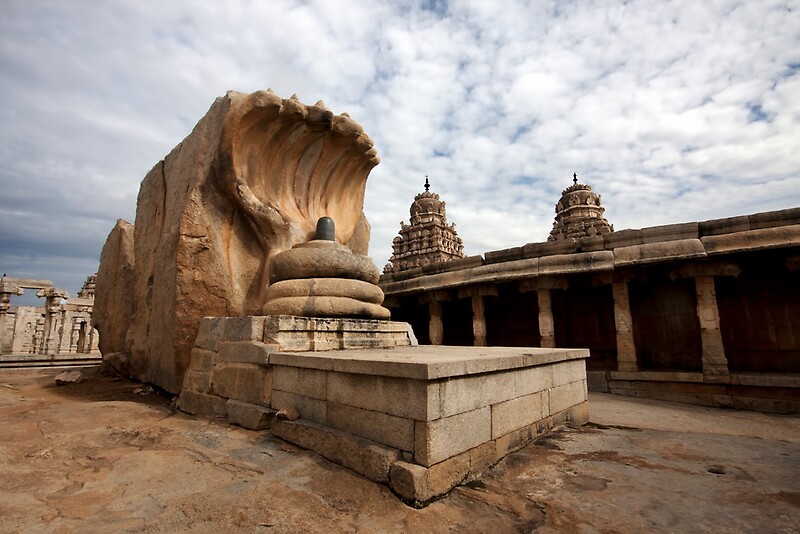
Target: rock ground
108 455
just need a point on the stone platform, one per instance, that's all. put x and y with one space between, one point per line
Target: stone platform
424 419
421 419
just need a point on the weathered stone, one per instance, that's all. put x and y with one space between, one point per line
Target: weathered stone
254 352
197 403
762 238
248 415
311 409
670 232
362 456
216 209
516 413
662 251
443 438
202 360
517 439
567 372
420 485
412 399
210 333
69 377
307 382
482 458
563 397
114 299
199 381
287 413
390 430
464 394
241 381
248 328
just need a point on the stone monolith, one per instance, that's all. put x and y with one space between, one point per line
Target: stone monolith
112 314
250 181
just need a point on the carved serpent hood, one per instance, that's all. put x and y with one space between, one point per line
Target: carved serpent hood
287 164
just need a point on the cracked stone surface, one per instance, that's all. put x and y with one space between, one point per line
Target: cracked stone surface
109 455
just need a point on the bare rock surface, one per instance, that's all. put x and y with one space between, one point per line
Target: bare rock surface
98 457
250 181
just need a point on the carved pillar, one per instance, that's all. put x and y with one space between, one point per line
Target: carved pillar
715 364
38 335
6 323
75 335
626 346
435 327
53 329
6 333
478 321
547 333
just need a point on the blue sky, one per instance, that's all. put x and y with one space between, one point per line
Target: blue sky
673 111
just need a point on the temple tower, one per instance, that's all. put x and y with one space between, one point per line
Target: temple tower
428 239
579 213
87 291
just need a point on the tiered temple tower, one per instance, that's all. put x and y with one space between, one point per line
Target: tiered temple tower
428 239
579 213
87 291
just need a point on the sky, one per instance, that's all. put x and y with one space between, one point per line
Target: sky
674 111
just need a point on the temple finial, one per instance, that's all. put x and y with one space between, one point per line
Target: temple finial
574 177
427 184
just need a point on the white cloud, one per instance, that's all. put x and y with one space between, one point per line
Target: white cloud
674 111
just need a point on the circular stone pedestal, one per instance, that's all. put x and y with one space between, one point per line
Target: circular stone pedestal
324 279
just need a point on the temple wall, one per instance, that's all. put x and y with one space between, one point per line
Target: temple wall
703 312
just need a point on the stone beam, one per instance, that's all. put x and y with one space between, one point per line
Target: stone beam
478 291
549 282
694 270
27 283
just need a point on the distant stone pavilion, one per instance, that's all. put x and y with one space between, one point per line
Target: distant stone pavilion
579 213
428 239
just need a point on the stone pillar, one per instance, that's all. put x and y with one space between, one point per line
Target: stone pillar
38 333
478 321
626 346
94 340
715 364
6 332
51 341
75 334
547 334
6 326
476 295
544 299
435 327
